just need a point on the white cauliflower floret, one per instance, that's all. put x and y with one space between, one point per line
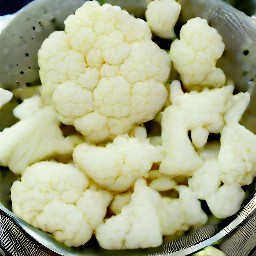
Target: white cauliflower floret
119 201
195 216
238 105
117 165
33 139
5 97
226 201
161 16
162 183
180 214
28 107
103 72
55 198
207 179
195 55
237 155
137 226
190 111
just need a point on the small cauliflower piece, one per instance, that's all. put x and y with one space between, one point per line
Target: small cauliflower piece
190 111
226 201
137 226
119 201
178 215
55 198
195 54
5 96
162 183
33 139
206 180
195 216
117 165
28 107
210 251
238 106
103 72
237 155
161 16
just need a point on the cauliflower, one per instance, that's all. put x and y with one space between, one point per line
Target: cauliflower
117 165
55 198
89 160
237 155
33 139
226 201
189 112
180 214
103 72
207 179
163 25
119 201
5 97
210 251
137 226
195 55
28 107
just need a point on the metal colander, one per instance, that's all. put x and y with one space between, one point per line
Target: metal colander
235 236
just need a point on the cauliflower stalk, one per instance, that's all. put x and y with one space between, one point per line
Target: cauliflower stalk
199 112
103 72
117 165
33 139
5 97
195 54
56 198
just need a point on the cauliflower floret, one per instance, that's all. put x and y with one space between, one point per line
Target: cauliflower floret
119 201
163 183
5 97
237 155
195 55
226 201
117 165
103 72
33 139
163 24
137 226
160 182
28 107
55 198
180 214
190 111
207 179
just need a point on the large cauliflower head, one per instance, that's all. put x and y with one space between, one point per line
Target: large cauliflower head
103 74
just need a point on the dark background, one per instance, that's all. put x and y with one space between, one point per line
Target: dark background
11 6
